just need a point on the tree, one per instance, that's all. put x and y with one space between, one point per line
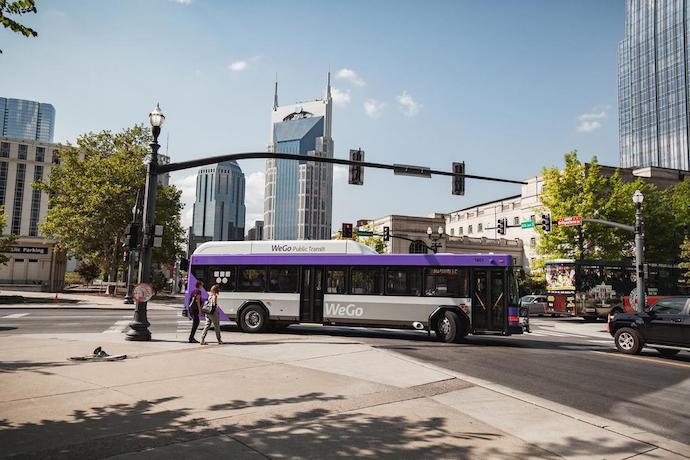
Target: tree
92 194
6 241
581 190
89 271
17 7
685 259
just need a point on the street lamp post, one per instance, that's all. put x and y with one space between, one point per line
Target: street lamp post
139 327
638 198
434 237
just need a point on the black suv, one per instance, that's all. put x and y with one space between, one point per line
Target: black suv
664 326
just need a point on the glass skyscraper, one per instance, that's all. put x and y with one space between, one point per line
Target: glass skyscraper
30 120
219 210
298 194
653 72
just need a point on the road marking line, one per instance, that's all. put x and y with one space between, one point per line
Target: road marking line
118 327
647 359
16 315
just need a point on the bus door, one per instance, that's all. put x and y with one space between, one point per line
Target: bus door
489 312
311 295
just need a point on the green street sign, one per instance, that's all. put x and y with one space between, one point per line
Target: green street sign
528 224
365 233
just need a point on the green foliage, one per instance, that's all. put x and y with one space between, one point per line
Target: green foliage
374 242
581 190
17 7
685 259
88 271
93 192
159 281
6 241
74 278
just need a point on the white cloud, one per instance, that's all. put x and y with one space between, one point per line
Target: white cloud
340 173
587 126
592 120
351 75
407 104
373 108
238 66
184 2
341 98
254 197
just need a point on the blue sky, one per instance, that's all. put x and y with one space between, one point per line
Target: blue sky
507 86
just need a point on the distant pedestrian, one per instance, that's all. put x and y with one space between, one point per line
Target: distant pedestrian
194 308
212 316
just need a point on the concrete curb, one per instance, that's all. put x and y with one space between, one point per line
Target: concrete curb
614 427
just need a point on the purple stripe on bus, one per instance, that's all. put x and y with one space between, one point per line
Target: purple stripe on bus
468 260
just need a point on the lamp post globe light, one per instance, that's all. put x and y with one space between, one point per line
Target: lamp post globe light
139 327
638 198
434 237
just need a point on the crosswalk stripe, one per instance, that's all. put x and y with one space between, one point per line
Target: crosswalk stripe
118 327
15 315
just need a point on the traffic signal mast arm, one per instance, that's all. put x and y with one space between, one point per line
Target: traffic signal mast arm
166 168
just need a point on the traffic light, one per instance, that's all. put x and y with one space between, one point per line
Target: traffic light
125 256
501 226
546 222
386 233
459 181
347 231
356 174
131 236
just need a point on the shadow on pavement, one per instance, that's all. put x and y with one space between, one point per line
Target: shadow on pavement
316 433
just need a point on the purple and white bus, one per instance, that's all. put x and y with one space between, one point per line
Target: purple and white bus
272 284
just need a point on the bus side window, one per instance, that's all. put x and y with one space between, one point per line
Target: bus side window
335 281
251 279
366 280
283 279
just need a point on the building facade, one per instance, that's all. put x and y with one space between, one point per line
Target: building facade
219 209
34 262
256 233
298 194
653 75
410 237
28 120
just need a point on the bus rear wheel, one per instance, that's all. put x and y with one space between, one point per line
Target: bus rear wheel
253 319
449 327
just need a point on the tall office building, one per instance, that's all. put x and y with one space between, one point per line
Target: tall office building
27 120
298 194
653 73
219 209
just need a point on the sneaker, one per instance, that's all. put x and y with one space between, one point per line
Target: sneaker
220 342
204 343
193 340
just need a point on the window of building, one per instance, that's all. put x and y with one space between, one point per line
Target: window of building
18 198
479 228
40 154
460 231
452 232
366 280
23 151
56 157
3 182
403 281
469 229
532 218
35 203
446 282
335 281
532 242
283 279
5 150
418 247
516 220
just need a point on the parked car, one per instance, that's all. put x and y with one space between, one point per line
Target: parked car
536 304
664 326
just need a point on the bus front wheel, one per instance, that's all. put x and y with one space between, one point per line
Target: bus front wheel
253 319
449 327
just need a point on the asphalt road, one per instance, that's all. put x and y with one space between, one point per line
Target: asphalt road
564 360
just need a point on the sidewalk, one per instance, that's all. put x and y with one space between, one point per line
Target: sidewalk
103 302
272 396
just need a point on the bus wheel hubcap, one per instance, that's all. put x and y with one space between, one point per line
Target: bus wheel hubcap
252 318
445 326
626 341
